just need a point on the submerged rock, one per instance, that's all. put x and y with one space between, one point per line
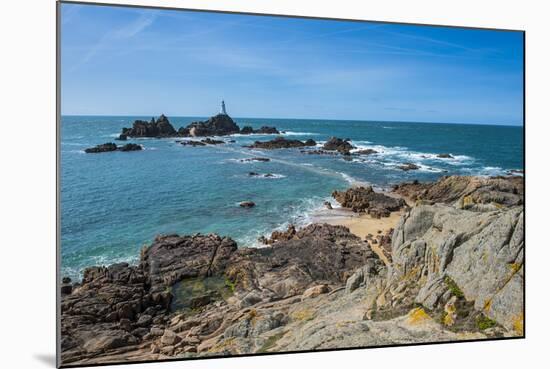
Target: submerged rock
408 166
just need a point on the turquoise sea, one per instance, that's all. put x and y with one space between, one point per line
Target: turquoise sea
114 203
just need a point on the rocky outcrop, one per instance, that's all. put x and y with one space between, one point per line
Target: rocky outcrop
446 273
218 125
155 128
366 200
467 191
247 130
281 143
109 146
106 147
440 252
337 144
121 308
130 147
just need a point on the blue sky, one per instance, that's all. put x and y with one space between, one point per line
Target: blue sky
130 61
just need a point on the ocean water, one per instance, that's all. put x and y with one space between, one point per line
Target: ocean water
114 203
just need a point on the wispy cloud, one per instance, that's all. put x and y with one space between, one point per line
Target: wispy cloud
123 33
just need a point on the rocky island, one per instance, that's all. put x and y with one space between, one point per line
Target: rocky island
219 125
451 269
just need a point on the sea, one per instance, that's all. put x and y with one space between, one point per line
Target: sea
112 204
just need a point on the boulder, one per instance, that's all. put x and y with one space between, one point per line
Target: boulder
337 144
247 204
130 147
106 147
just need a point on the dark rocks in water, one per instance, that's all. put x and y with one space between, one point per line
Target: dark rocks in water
131 147
106 147
121 137
366 152
109 146
281 143
328 205
155 128
254 159
266 175
365 199
247 204
246 130
210 141
445 156
192 143
408 166
337 144
318 152
218 125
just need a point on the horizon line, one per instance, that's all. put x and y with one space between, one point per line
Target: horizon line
522 124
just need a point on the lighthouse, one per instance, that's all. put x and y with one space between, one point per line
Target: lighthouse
223 108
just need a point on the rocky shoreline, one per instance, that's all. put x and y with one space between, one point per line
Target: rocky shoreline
452 269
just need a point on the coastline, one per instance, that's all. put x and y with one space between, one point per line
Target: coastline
319 286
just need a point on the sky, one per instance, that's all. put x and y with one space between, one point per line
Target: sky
135 61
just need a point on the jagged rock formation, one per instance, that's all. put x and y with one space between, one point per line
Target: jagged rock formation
365 199
155 128
218 125
281 143
477 192
337 144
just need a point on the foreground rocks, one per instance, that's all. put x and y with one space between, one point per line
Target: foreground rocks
449 272
366 200
281 143
109 146
467 191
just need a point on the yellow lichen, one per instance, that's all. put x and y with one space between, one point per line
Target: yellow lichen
515 267
304 314
517 324
468 200
487 305
417 316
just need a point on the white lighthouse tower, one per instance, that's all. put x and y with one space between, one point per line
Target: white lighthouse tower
223 108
